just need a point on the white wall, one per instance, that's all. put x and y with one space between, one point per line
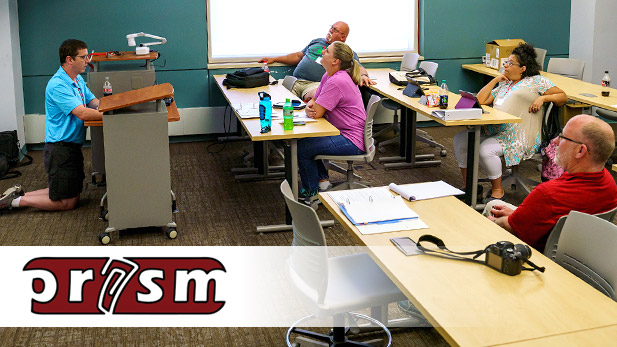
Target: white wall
593 37
11 95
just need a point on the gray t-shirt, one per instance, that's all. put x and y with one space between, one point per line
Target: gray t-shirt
307 68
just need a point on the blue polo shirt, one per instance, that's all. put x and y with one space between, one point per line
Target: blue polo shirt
62 95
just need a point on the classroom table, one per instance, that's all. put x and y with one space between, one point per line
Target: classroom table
411 107
470 304
573 88
252 126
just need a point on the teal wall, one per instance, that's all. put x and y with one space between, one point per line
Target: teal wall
451 33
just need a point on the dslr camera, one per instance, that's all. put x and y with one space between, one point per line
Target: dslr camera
507 257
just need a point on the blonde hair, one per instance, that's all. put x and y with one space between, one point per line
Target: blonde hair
342 52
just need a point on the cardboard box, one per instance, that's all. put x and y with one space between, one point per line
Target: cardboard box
498 51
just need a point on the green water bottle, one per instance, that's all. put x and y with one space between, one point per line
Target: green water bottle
288 115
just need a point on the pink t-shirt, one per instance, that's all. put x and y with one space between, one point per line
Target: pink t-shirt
341 97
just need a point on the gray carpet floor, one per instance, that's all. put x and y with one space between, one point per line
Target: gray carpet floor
214 210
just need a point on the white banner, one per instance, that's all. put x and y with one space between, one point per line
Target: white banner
158 286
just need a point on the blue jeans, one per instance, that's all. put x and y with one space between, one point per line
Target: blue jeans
311 170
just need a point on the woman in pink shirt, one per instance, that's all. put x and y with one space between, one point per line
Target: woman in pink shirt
337 99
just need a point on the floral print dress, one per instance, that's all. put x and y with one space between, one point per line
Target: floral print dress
520 141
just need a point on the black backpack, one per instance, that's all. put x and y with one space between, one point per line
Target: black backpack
247 78
9 155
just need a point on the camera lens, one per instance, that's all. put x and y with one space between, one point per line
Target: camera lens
523 250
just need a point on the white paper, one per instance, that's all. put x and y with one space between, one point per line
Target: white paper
366 194
426 190
372 205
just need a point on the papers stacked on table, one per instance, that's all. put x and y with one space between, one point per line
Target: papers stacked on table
376 210
423 191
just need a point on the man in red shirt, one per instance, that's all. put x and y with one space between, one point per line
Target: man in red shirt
583 148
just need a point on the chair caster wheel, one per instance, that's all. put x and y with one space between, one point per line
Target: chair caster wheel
104 238
443 153
171 232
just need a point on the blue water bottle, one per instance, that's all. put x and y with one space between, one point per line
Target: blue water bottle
265 111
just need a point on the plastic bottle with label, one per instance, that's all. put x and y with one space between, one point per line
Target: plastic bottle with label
606 84
443 95
107 90
265 112
265 67
288 115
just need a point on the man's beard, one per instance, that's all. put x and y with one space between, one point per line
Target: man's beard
557 158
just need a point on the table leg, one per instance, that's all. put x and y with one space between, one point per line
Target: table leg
408 157
291 174
262 169
471 181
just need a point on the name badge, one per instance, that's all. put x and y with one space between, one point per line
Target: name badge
499 101
318 60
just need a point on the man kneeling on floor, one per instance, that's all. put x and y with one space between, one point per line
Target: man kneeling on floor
68 103
583 148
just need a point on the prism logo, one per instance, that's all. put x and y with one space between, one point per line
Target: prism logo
126 286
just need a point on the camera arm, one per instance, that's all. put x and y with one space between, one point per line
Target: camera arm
143 47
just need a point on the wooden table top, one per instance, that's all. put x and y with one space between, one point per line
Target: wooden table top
278 93
394 92
129 55
138 96
600 337
572 87
474 305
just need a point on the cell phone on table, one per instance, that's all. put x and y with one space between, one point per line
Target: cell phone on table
299 122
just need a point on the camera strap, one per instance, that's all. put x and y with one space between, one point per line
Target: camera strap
444 252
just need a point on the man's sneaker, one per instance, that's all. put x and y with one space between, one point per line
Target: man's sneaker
8 196
15 191
310 199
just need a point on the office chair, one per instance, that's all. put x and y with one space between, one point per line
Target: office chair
430 67
552 243
610 115
541 54
333 286
369 145
568 67
289 81
518 104
587 249
409 63
421 135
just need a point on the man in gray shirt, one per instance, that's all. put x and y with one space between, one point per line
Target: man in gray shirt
309 70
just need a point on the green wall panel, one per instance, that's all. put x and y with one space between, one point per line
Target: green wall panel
103 25
189 87
461 29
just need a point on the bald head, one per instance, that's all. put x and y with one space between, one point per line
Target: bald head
596 134
338 32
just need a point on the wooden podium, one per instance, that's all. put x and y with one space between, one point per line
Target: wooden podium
137 159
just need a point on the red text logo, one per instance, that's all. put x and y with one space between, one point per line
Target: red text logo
126 286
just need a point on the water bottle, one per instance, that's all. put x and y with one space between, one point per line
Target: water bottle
265 111
107 87
265 67
288 115
606 84
443 95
